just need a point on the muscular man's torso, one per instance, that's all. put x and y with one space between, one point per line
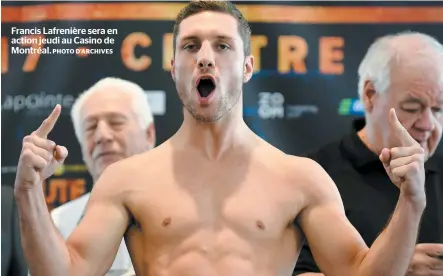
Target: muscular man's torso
234 216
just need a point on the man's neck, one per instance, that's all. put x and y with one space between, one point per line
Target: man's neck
369 138
214 139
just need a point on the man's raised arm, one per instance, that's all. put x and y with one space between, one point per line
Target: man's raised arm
337 247
92 247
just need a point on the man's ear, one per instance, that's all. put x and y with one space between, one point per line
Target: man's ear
368 96
151 136
248 69
172 69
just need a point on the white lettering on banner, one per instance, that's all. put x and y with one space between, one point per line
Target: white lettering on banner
357 106
157 101
271 105
296 111
17 103
9 169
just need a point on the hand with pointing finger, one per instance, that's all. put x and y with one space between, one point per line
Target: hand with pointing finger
40 156
404 163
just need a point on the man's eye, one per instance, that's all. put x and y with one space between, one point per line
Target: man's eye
223 47
116 123
189 47
411 110
91 127
436 110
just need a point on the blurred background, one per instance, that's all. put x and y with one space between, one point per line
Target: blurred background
302 96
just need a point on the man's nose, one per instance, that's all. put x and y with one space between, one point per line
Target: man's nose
206 56
427 121
103 133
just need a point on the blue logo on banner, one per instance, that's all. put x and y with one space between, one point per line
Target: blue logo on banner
350 106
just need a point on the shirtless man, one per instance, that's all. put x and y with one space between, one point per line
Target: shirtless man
215 199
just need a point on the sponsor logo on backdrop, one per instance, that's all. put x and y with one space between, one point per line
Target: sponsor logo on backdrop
36 102
45 101
271 105
57 189
157 101
61 190
297 111
9 169
350 106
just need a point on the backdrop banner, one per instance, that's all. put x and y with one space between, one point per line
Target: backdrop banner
303 93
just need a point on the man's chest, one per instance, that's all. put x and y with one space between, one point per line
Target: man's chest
253 206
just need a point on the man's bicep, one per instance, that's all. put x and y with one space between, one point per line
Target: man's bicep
94 243
334 242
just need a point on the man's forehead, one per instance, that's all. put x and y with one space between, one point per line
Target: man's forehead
423 97
105 102
106 114
108 95
208 22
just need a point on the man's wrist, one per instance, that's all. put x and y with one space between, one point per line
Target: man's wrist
416 201
20 190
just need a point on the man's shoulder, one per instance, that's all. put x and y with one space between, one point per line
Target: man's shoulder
138 162
302 164
311 179
304 171
120 176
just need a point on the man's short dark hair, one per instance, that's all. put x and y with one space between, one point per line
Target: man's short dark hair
227 7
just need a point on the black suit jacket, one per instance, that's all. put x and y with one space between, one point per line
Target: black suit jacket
13 261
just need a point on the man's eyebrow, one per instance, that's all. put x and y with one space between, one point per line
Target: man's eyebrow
189 37
194 37
224 37
412 100
113 115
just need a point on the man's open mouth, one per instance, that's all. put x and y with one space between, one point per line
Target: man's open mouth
205 86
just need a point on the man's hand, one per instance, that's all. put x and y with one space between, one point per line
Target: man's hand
39 156
427 260
405 162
